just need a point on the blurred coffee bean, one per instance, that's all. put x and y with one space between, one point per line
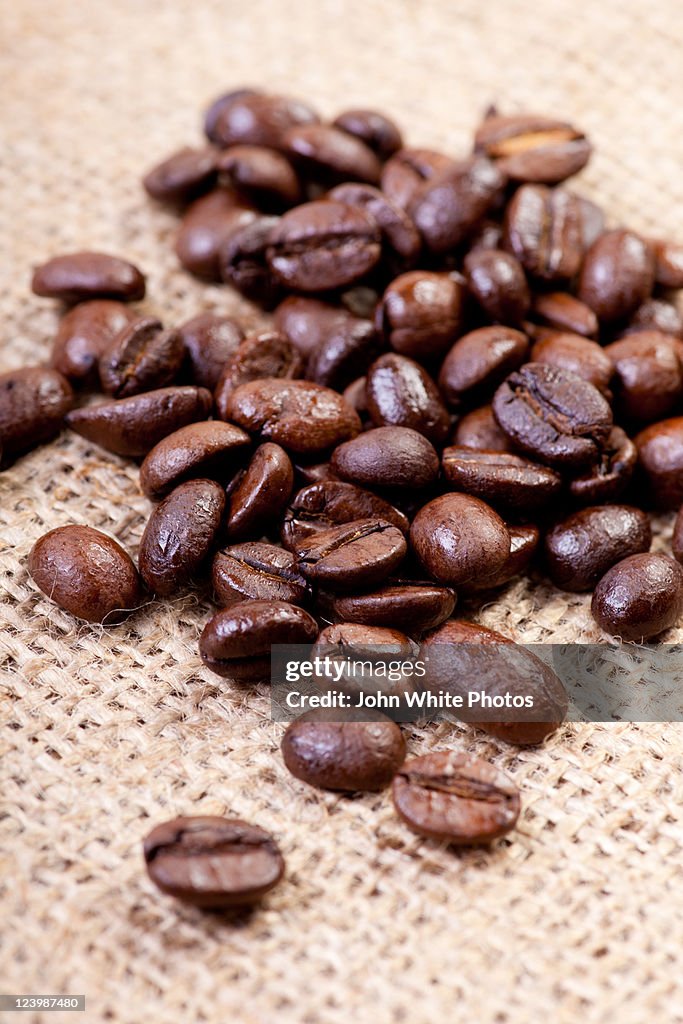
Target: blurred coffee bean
617 275
479 362
577 355
668 264
255 119
209 339
449 206
564 312
400 237
205 227
529 147
220 105
656 315
330 155
263 176
524 541
344 351
183 175
77 276
406 171
376 130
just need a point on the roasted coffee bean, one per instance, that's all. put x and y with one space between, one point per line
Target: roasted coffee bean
660 457
564 312
488 236
142 357
450 205
209 341
458 538
243 264
581 548
327 154
206 226
553 416
347 644
524 542
323 245
656 315
648 380
352 556
356 395
179 536
83 335
328 503
310 324
608 478
256 119
265 177
258 571
344 353
479 429
479 362
210 449
456 798
236 642
33 403
677 539
260 356
400 237
301 416
86 573
183 175
259 495
395 457
529 147
577 355
410 606
213 862
306 473
511 484
668 264
359 642
347 755
406 171
77 276
421 314
220 105
640 597
399 392
133 426
497 281
543 229
376 130
617 275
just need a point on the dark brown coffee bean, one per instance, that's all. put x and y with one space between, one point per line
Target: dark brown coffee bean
328 503
344 352
458 538
236 642
183 175
260 494
329 155
211 449
347 755
640 597
33 403
352 556
607 479
301 416
478 429
450 205
487 236
648 381
212 862
660 457
323 245
456 798
256 119
260 356
656 315
83 335
564 312
524 542
421 314
257 571
86 573
553 416
399 392
356 395
205 228
497 281
577 355
361 642
209 341
265 177
220 105
77 276
310 323
581 548
668 264
133 426
479 362
395 457
142 357
543 229
412 607
617 275
376 130
179 536
400 237
677 539
405 173
529 147
243 264
511 484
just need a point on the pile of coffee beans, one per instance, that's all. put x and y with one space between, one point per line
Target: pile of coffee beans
468 374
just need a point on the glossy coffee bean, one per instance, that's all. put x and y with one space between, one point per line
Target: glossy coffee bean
617 275
347 755
400 238
133 426
553 416
356 395
220 105
376 130
255 119
399 392
529 147
543 229
456 798
677 538
359 642
141 357
421 313
524 541
344 352
458 538
329 155
243 263
610 476
656 315
258 571
487 236
577 355
83 335
451 205
311 324
660 458
509 483
236 642
77 276
85 572
639 597
33 404
263 176
406 171
179 536
322 505
668 264
648 382
259 495
209 340
206 226
210 449
395 457
581 548
323 245
183 175
212 862
564 312
479 429
352 556
496 280
479 362
258 357
409 606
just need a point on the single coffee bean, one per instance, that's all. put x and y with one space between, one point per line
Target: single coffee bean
83 335
33 403
323 245
347 644
479 362
400 238
497 281
86 573
301 416
607 479
617 275
656 315
347 755
77 276
524 542
529 147
395 457
660 457
320 506
209 341
581 548
479 429
236 642
259 495
183 175
456 798
399 392
210 449
220 105
543 229
356 395
577 355
179 536
256 119
260 356
409 606
639 597
564 312
510 483
677 539
668 264
376 130
258 571
553 416
142 357
487 236
133 426
450 205
345 352
352 556
458 538
310 324
648 381
406 171
207 224
265 177
421 314
212 862
329 155
243 263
